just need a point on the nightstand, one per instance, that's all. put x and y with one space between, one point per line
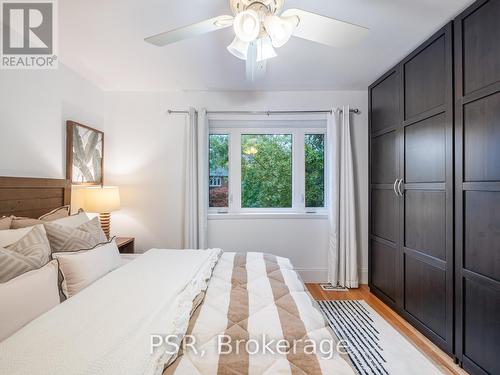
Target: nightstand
126 245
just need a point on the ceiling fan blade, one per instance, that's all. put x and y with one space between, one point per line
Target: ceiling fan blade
186 32
326 30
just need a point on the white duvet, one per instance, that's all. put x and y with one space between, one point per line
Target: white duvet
107 328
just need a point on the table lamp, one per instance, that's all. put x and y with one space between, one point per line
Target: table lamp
103 201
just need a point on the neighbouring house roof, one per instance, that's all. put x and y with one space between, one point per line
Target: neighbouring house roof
219 172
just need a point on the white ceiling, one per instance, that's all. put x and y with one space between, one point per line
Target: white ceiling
103 41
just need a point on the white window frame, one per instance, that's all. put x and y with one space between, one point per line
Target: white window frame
261 127
215 181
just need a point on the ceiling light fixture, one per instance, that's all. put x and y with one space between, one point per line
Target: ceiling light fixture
247 25
262 25
280 29
265 50
239 48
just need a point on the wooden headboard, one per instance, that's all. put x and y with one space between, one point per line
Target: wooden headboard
32 197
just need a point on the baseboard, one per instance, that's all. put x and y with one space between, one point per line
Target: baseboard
320 275
313 275
363 276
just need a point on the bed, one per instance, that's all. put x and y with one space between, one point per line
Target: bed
173 312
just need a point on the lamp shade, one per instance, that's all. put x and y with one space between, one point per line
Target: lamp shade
265 50
239 48
247 25
280 29
102 200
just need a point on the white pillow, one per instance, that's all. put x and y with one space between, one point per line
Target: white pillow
73 221
82 268
9 236
26 297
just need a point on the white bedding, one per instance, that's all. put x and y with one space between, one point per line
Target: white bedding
106 328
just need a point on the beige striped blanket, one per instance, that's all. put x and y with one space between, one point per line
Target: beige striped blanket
257 318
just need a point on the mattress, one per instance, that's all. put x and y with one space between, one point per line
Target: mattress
258 318
182 312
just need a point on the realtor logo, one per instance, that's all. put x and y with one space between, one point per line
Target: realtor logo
28 35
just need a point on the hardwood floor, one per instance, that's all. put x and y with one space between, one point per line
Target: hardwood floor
402 326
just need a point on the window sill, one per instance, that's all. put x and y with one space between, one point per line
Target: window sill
267 216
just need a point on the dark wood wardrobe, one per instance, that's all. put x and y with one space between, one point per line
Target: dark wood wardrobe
435 188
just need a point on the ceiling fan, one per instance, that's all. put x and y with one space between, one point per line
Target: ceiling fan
261 26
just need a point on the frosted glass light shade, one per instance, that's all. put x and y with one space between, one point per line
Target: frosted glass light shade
247 25
239 48
265 50
102 200
280 29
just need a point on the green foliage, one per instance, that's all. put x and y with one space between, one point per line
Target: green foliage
218 149
315 170
266 171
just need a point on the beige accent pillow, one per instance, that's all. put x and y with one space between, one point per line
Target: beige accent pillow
73 221
29 253
5 222
58 213
9 236
23 222
27 297
82 268
66 238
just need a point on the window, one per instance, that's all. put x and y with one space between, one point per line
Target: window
218 170
266 170
215 181
314 147
267 167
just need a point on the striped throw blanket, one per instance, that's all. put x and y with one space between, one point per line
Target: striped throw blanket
257 318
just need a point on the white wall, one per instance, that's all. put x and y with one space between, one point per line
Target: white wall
34 107
145 157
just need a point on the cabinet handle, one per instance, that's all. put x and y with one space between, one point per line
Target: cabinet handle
394 186
399 187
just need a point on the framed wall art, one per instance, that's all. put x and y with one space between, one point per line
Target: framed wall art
84 154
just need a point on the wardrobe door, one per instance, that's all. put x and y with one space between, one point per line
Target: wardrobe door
427 202
477 159
385 124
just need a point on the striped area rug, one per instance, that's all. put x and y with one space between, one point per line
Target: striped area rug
374 346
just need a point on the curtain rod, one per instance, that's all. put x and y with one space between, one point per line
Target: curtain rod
170 112
267 113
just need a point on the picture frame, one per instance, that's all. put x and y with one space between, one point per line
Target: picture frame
84 154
